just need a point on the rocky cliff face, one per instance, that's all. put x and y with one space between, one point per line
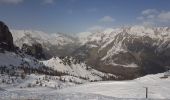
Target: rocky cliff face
35 50
6 39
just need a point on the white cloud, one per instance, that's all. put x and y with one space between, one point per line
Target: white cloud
148 23
107 19
48 1
151 16
164 16
84 34
154 17
149 11
96 28
10 1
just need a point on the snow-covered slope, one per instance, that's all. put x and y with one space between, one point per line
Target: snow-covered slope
71 67
16 67
63 70
136 50
158 89
9 59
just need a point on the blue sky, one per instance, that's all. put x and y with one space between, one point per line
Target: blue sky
73 16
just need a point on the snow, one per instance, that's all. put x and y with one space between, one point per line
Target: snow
7 58
11 58
56 63
66 87
73 73
59 96
131 65
92 46
113 41
78 70
139 31
30 36
103 37
114 50
83 37
36 81
158 88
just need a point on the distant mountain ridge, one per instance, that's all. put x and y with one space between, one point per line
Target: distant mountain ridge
55 44
128 51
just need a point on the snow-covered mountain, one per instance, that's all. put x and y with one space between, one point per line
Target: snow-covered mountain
29 37
52 44
19 69
112 54
73 67
12 58
128 51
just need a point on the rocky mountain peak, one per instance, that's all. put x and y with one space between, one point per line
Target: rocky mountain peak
128 51
6 39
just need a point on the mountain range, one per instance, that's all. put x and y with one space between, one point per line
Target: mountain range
128 51
24 62
118 53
